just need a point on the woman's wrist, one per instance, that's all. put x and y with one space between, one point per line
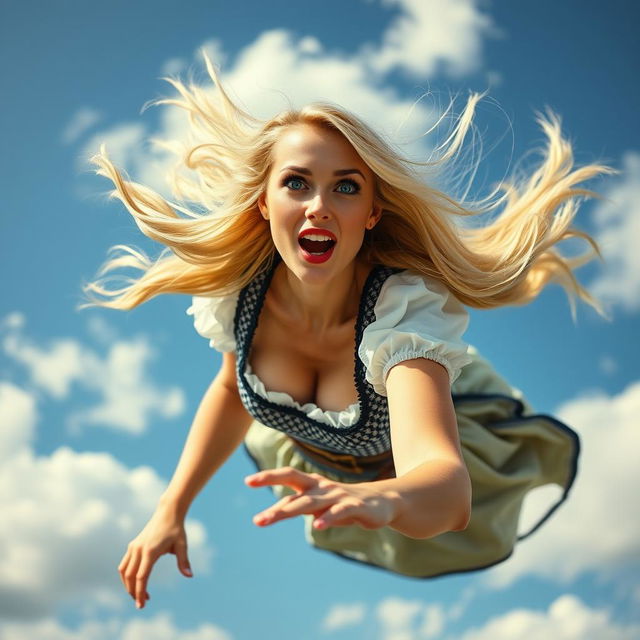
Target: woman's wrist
429 500
173 505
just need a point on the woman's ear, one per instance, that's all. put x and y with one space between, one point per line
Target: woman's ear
262 205
374 217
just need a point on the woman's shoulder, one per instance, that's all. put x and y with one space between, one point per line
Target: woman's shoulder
414 316
213 318
411 292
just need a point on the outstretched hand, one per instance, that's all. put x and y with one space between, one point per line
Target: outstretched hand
164 533
334 504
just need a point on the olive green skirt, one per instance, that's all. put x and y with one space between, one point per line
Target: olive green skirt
509 450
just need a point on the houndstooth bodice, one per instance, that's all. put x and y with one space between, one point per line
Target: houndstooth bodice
370 434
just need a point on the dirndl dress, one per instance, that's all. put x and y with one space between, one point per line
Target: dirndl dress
508 449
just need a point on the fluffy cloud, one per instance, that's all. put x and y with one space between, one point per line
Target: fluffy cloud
400 619
566 619
344 615
396 617
433 621
597 529
159 627
421 39
82 120
129 399
18 416
431 36
617 222
67 519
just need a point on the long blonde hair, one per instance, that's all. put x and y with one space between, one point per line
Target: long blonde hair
222 247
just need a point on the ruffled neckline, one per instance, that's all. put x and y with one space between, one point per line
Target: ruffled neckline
345 418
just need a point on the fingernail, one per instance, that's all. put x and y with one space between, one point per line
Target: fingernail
139 605
188 572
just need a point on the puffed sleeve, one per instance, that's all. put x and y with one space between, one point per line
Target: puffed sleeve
213 319
416 317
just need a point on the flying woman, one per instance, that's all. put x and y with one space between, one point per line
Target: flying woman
333 281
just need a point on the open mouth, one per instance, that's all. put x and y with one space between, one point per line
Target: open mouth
316 244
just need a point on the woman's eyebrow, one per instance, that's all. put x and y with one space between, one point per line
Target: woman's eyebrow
339 172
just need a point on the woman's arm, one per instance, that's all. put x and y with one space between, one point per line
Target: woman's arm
218 428
432 491
432 488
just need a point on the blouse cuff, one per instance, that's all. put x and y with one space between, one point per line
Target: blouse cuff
429 354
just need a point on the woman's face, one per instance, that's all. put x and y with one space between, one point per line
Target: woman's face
319 200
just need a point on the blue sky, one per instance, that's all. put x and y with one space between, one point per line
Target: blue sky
95 405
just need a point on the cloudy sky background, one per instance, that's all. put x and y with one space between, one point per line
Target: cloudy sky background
95 405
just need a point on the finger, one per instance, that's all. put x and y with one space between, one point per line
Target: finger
292 506
338 515
122 567
287 476
131 572
182 559
142 578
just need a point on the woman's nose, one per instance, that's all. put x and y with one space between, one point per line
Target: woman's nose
317 208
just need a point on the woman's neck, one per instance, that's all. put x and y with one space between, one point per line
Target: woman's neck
323 306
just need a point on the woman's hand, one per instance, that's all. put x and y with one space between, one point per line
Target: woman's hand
164 533
334 504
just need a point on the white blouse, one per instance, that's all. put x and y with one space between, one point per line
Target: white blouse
416 317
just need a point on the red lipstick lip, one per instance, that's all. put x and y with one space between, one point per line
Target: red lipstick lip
325 232
314 259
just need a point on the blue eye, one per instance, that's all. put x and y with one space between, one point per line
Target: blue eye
351 187
294 183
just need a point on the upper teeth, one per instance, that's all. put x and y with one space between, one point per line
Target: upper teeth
317 237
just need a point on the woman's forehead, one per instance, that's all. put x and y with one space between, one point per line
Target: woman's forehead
305 143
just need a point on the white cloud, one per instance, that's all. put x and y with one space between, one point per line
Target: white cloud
129 399
82 120
427 37
123 142
598 528
423 38
396 617
567 618
215 50
13 320
344 615
159 627
101 331
617 222
402 619
173 66
458 609
67 519
127 147
277 64
53 369
433 623
18 416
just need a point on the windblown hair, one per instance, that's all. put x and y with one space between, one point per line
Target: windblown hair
223 246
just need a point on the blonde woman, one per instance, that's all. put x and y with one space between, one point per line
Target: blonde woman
333 281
